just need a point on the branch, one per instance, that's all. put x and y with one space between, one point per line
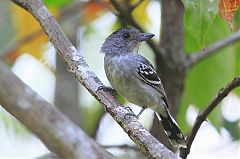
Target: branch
203 115
49 156
56 131
78 66
124 146
13 47
107 7
65 13
135 5
196 57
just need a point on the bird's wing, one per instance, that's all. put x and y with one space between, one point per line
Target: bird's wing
148 75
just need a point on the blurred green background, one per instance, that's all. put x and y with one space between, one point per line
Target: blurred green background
26 49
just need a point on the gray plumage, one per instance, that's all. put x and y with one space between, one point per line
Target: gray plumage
135 79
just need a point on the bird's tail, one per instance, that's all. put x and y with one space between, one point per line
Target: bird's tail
172 129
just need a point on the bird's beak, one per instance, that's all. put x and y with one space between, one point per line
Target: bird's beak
145 36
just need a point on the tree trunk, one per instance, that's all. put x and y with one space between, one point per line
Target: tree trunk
66 94
170 66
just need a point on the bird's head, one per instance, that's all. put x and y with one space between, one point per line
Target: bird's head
124 40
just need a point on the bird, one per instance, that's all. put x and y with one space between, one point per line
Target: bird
135 79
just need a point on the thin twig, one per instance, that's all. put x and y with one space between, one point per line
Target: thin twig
81 70
135 5
203 115
49 156
124 146
104 5
59 134
196 57
64 14
70 10
20 42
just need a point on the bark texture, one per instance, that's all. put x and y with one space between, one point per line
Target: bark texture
55 130
171 61
66 93
78 66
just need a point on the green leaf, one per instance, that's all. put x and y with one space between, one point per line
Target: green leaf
203 28
58 3
198 19
91 114
233 129
6 27
13 125
236 19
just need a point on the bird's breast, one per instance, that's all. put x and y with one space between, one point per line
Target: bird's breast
115 71
124 79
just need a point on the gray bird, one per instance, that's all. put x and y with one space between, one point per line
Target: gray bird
134 78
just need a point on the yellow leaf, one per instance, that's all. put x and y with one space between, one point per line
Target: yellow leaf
140 13
29 34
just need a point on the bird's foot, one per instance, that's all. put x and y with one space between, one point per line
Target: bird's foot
107 89
131 113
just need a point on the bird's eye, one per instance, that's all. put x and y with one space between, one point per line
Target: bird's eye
126 36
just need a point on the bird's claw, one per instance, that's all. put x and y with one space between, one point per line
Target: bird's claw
107 89
131 113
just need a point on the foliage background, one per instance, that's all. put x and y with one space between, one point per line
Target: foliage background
87 24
